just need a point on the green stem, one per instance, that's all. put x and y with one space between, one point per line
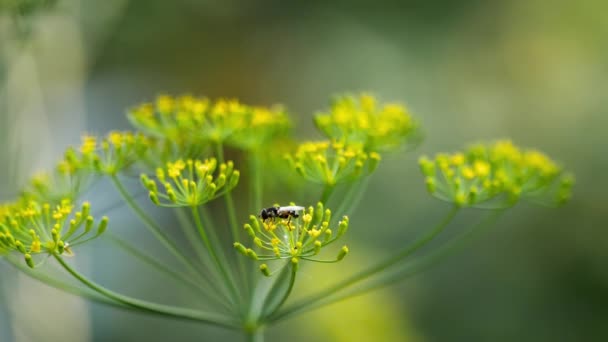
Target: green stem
327 191
353 197
142 305
407 251
412 269
186 226
154 228
233 222
292 280
255 164
254 335
193 239
60 285
180 277
228 282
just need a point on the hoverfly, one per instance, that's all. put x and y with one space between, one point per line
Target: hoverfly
281 212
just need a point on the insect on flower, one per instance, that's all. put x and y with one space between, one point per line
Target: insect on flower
281 212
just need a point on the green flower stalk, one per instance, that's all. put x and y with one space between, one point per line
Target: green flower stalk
331 163
494 176
361 120
32 228
191 182
293 238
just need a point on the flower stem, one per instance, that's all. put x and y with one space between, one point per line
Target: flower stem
256 182
352 198
180 277
60 285
233 222
327 191
412 269
292 280
255 165
416 245
228 198
199 249
254 335
228 282
142 305
154 228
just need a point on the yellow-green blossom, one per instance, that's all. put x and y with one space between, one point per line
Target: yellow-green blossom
331 163
262 126
32 228
65 182
361 120
495 175
191 182
186 125
110 155
293 238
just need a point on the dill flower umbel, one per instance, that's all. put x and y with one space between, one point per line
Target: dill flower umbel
66 181
293 238
361 120
495 175
331 163
186 125
32 228
111 154
191 182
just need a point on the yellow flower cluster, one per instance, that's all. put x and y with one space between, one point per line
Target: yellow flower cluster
495 175
182 123
361 120
109 155
293 238
191 182
331 163
33 228
52 187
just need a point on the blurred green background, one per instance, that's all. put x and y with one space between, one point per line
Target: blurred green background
534 71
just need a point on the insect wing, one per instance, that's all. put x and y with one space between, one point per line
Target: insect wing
295 208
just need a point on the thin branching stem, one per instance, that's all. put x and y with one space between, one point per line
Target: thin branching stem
61 285
411 269
233 222
181 278
221 267
328 189
292 280
352 198
189 231
160 309
256 183
155 229
373 270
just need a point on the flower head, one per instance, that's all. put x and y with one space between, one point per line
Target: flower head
191 182
109 155
361 120
32 228
66 181
495 175
331 163
293 238
261 126
186 125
